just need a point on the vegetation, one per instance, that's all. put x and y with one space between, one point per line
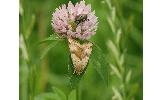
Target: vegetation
115 69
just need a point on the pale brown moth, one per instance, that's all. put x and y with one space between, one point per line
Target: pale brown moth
80 54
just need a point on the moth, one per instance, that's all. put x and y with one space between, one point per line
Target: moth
80 54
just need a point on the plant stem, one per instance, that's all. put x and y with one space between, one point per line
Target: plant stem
123 90
77 92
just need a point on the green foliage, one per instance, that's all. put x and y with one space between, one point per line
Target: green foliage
51 38
100 63
48 96
118 66
48 48
57 94
72 95
54 40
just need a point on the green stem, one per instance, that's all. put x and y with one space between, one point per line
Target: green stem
123 81
124 90
77 92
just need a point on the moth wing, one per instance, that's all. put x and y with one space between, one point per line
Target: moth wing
79 63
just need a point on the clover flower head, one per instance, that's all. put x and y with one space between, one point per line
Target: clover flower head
76 21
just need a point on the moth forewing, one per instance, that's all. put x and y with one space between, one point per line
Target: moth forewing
80 54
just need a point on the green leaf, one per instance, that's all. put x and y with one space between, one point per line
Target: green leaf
128 76
116 71
117 94
74 1
72 95
59 93
47 96
47 49
133 90
51 38
100 63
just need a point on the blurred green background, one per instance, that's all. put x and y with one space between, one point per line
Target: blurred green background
38 76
